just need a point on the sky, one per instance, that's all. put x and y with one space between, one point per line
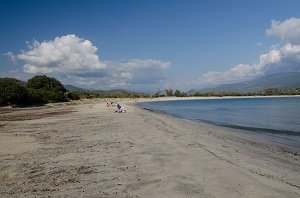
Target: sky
145 45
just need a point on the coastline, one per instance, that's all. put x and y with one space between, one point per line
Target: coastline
286 137
92 151
206 98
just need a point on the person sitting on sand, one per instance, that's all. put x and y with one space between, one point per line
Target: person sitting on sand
120 109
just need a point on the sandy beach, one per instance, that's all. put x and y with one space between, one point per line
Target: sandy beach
87 150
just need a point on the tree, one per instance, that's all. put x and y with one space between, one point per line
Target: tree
169 92
35 96
157 94
272 91
179 93
45 83
48 88
12 92
73 95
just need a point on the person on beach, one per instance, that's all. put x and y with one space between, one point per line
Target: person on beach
120 109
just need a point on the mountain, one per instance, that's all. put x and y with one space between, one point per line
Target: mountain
282 81
73 88
104 92
119 91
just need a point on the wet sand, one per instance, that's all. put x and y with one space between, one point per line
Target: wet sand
87 150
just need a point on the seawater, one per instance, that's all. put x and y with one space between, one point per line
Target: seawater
274 118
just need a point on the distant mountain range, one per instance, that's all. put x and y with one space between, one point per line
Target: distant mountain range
112 91
73 88
282 81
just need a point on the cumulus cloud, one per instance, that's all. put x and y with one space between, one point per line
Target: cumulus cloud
137 72
134 74
288 30
285 58
62 55
75 60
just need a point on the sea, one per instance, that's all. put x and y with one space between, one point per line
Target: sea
275 119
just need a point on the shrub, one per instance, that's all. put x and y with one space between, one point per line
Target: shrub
12 92
46 89
72 95
179 93
45 83
169 92
35 97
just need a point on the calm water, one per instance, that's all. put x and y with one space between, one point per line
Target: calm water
277 119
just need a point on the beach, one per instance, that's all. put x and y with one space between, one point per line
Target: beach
87 150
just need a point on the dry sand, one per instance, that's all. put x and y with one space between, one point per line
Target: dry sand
87 150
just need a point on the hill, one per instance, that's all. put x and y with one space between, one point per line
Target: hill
73 88
282 81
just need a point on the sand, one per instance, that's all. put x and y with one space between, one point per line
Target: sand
87 150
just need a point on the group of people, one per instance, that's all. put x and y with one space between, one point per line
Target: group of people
119 106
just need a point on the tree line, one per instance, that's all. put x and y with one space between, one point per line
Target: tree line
266 92
38 90
43 89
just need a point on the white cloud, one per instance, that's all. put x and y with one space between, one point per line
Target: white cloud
62 55
236 73
288 30
278 59
284 59
144 64
85 82
75 60
137 73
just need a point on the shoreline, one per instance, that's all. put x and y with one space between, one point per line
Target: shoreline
280 138
91 151
174 98
287 138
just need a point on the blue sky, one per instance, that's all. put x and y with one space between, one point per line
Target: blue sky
147 45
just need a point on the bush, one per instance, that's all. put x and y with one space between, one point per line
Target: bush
72 95
35 97
179 93
169 92
46 83
52 96
57 96
12 92
46 89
